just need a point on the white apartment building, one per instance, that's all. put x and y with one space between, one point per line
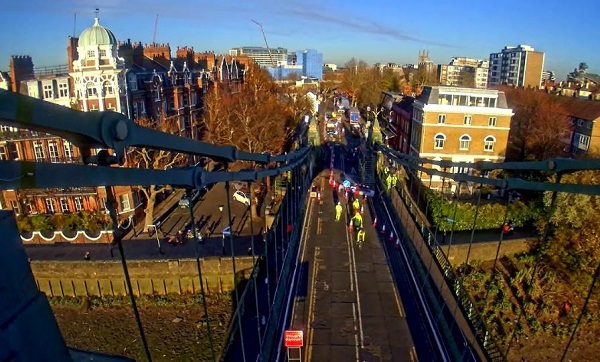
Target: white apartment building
261 55
519 66
53 89
463 71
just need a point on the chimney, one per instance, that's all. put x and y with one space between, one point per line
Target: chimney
72 54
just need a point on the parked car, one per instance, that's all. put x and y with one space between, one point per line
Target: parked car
241 197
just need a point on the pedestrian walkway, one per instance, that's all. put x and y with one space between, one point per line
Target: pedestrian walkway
347 302
160 211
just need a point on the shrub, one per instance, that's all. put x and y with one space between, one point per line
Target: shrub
489 216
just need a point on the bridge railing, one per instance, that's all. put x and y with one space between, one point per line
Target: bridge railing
414 165
113 134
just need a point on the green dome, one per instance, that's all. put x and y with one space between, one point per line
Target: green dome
97 35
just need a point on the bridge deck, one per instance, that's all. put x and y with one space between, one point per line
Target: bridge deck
347 303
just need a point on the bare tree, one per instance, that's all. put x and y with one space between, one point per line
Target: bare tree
354 78
155 160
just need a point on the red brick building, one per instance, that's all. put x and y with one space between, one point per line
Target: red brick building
104 74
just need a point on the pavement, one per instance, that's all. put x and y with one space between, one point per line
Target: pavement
152 246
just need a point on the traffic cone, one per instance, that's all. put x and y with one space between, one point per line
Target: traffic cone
350 227
362 210
383 229
391 238
375 222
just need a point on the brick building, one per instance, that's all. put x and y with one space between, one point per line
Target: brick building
104 74
461 125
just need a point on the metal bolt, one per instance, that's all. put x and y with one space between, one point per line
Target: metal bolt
121 130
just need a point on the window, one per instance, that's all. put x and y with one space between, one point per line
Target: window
91 90
439 141
580 122
53 151
589 124
492 121
49 206
91 54
8 129
102 52
107 88
467 120
132 81
465 142
581 141
38 150
63 90
124 202
157 94
78 203
488 143
14 204
441 118
64 205
48 91
3 155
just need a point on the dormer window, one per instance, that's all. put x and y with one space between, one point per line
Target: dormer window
91 54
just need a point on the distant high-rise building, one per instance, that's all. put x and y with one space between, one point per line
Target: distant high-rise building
311 62
519 66
262 56
465 72
548 76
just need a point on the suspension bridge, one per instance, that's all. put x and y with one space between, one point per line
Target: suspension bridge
395 297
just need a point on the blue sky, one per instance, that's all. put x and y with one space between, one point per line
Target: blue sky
372 31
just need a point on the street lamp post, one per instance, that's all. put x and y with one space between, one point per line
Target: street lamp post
222 234
157 238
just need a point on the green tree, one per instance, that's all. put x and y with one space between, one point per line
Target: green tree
574 246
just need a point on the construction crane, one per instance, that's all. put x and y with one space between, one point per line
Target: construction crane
155 26
267 44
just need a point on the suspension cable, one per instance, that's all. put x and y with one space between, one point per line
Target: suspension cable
543 241
494 271
255 274
235 286
199 268
583 310
474 225
118 235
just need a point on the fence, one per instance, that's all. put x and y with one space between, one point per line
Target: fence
148 277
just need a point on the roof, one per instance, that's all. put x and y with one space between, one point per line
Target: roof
97 35
581 108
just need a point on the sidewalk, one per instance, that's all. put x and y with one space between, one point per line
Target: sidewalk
160 211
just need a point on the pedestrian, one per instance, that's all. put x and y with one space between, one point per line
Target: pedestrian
360 236
338 211
356 205
357 221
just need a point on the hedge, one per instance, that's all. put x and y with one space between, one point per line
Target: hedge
490 216
84 220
